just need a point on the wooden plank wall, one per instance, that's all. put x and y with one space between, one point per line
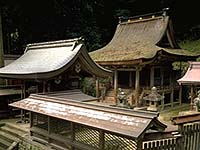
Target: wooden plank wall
191 136
190 140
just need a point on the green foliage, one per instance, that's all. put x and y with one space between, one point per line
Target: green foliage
94 20
191 45
180 66
88 86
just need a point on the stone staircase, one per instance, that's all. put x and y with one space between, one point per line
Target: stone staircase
109 98
9 136
16 136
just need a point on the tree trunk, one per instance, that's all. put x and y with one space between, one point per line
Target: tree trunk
1 48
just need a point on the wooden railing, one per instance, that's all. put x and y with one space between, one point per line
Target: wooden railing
14 146
163 144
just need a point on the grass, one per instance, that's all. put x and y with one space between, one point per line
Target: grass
171 112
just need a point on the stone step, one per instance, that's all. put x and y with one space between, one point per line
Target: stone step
4 143
18 128
8 137
12 131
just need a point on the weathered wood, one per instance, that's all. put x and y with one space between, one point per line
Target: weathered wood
191 97
172 98
2 81
44 87
137 86
97 86
115 84
101 140
152 76
180 95
130 79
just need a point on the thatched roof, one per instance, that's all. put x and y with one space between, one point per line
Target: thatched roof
137 40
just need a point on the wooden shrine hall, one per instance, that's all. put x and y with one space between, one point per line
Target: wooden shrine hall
53 66
141 54
71 124
191 78
59 116
48 67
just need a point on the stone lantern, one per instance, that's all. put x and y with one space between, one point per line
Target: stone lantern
153 98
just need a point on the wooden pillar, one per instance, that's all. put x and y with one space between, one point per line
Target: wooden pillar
31 121
72 125
2 81
37 88
162 77
115 84
172 97
49 128
24 89
101 140
139 143
44 87
97 87
152 69
180 140
137 86
180 95
191 97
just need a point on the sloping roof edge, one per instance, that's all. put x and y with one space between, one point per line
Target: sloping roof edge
49 59
137 40
191 76
127 122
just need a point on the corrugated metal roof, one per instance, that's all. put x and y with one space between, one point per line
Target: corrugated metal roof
192 74
129 123
48 59
135 40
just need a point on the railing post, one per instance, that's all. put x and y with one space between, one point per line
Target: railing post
180 138
101 140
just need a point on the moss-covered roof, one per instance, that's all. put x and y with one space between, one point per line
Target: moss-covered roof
137 40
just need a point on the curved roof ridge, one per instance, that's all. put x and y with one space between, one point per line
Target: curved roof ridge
133 41
138 40
49 59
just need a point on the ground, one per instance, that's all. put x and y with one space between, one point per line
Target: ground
166 115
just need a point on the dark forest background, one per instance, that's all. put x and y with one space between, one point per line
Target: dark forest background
30 21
